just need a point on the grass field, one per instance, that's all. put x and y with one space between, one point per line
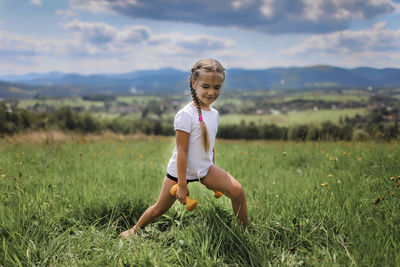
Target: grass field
64 204
61 102
80 102
344 96
276 96
292 119
289 119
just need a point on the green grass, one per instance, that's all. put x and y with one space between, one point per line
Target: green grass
58 103
292 119
112 116
315 95
78 101
142 99
328 97
69 201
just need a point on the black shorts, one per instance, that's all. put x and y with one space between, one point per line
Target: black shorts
176 179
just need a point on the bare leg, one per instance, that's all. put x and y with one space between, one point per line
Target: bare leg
219 179
164 202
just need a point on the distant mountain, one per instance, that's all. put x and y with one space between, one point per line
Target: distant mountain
15 90
168 80
32 76
380 77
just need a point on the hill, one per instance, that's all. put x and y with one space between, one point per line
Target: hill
168 80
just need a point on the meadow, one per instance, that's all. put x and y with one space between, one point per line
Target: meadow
291 119
65 203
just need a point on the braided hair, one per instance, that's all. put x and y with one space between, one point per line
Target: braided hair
204 66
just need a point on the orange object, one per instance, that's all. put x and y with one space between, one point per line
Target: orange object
217 194
173 190
191 204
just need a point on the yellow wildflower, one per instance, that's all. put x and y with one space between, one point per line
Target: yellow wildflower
344 153
3 175
324 184
392 178
330 158
330 175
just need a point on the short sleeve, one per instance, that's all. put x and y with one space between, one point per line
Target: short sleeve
183 121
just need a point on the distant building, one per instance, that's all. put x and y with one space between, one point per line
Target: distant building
123 109
274 111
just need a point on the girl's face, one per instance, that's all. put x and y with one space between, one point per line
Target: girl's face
208 88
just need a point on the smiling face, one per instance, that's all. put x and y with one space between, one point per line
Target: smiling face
208 87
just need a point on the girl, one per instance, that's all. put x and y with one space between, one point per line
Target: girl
193 157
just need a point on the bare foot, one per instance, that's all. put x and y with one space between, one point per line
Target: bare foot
129 232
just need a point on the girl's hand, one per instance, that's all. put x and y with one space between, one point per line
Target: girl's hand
182 193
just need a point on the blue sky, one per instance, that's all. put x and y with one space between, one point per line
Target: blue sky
116 36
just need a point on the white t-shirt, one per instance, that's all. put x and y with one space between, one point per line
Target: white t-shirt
198 161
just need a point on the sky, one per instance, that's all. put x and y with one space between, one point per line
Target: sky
119 36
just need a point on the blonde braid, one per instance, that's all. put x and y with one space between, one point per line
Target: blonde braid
205 140
207 65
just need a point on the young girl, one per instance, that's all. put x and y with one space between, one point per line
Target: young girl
193 157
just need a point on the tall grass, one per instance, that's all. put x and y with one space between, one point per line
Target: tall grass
65 204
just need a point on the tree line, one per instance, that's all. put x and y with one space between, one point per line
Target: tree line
381 125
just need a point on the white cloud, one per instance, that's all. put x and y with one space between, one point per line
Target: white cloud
110 49
267 8
92 6
313 9
110 38
192 43
377 38
23 45
66 13
97 6
237 4
36 2
133 35
99 32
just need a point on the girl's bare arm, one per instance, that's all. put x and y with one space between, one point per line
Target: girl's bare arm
182 145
